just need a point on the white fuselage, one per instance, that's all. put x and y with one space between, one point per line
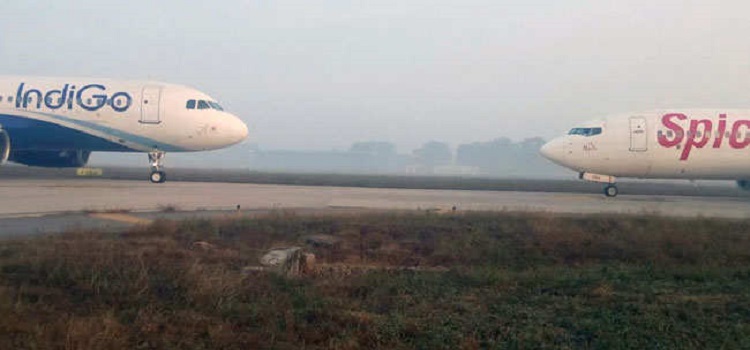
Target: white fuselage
49 114
668 144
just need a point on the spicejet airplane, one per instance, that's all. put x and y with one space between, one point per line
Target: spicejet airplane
666 144
58 122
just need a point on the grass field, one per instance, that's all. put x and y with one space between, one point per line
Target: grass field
396 281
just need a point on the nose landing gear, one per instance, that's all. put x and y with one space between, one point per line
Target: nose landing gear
610 186
156 158
610 190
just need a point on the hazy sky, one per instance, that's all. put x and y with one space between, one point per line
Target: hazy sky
323 74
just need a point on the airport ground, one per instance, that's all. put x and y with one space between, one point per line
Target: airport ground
38 200
384 280
471 183
130 264
32 206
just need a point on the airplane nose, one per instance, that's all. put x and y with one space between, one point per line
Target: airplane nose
546 150
237 130
242 130
553 151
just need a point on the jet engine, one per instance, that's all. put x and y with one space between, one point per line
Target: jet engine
744 184
51 159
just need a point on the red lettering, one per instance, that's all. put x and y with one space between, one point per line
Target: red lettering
701 131
694 140
720 132
666 120
734 141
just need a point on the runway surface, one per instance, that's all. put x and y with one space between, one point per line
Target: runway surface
44 206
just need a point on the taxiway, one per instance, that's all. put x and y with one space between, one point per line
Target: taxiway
43 206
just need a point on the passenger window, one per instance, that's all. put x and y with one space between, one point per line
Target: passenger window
203 105
10 99
190 104
596 131
1 99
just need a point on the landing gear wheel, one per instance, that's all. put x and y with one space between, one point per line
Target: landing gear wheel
158 177
610 191
156 158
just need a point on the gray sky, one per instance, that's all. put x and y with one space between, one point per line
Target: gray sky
323 74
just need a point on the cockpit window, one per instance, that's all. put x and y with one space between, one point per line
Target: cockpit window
585 131
215 106
201 104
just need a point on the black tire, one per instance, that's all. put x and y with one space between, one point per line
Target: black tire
158 177
611 191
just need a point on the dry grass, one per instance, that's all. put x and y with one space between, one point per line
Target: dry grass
468 281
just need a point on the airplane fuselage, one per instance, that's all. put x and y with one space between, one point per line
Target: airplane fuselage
665 144
44 120
129 116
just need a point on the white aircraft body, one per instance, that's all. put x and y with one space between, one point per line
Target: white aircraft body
664 144
58 122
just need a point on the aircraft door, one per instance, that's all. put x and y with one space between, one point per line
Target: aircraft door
151 105
638 135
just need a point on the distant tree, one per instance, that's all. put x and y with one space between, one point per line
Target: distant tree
434 153
378 148
532 144
502 157
502 142
488 156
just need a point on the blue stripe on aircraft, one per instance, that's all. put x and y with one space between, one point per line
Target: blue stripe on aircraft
28 133
143 141
31 134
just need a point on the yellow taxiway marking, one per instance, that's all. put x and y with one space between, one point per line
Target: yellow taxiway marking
119 217
89 172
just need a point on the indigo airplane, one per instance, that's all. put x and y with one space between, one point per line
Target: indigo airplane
58 122
666 144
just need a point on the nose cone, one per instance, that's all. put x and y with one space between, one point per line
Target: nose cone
554 151
242 131
238 131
